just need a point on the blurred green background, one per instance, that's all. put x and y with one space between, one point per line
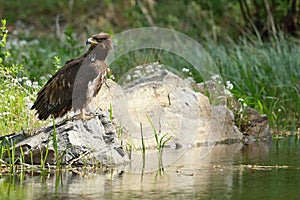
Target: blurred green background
200 19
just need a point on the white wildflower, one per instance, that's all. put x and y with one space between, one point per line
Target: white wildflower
5 113
28 83
185 70
28 102
128 77
112 77
43 78
227 93
240 100
27 99
24 78
12 98
229 86
15 80
215 77
35 85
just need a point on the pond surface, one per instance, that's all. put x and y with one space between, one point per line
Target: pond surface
261 170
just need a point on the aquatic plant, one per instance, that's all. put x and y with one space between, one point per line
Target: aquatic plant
143 143
160 142
44 156
55 146
8 149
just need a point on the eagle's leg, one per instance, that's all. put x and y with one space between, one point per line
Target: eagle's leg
85 115
88 116
81 115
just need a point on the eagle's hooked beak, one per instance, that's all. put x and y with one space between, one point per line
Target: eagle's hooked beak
91 41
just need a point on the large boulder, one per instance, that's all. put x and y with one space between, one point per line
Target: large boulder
172 105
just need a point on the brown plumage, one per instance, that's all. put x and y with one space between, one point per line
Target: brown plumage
77 82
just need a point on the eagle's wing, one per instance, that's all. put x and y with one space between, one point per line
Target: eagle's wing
56 96
89 80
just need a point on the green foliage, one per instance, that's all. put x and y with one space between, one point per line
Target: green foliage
15 91
57 62
200 19
71 46
3 35
266 76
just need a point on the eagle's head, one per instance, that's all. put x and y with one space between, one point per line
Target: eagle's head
102 39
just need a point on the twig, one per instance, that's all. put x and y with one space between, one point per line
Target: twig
76 159
271 20
146 13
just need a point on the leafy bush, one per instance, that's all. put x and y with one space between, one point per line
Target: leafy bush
16 91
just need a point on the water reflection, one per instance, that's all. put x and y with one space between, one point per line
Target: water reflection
226 173
256 151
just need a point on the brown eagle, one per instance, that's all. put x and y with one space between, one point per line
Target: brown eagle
75 84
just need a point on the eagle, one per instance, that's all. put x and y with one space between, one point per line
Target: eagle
74 85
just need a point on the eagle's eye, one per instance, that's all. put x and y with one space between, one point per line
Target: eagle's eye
99 39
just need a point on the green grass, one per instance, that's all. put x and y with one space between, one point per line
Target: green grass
160 143
266 76
15 91
55 146
7 147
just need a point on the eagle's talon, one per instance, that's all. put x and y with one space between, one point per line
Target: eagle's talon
84 116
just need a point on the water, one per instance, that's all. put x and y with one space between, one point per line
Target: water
258 171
